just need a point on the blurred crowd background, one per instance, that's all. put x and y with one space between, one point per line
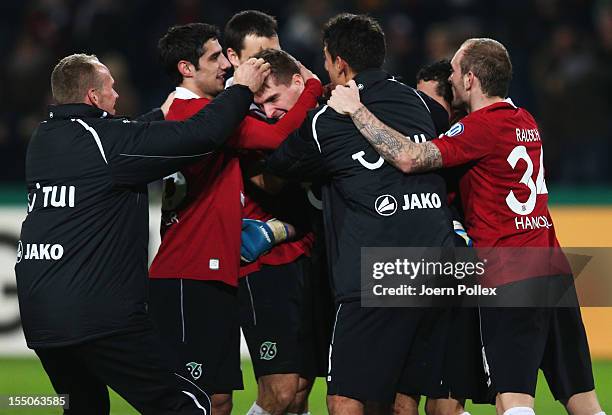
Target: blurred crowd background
561 51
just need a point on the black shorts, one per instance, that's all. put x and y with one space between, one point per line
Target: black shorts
320 310
519 341
276 313
198 322
133 364
376 352
463 366
445 360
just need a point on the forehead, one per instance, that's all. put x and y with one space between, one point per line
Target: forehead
211 46
104 73
328 55
427 86
271 87
457 58
253 44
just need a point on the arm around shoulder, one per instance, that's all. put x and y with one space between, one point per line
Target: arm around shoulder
147 151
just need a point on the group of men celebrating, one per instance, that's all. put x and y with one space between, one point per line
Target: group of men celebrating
242 239
199 288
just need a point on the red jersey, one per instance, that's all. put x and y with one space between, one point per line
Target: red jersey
503 191
202 205
279 254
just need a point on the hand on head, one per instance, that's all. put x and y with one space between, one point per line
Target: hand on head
252 73
345 98
306 73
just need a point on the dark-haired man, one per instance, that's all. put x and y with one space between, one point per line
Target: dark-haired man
371 347
272 318
195 272
280 295
503 186
433 80
82 258
462 360
282 87
247 33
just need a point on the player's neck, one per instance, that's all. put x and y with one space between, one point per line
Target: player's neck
191 86
349 75
479 102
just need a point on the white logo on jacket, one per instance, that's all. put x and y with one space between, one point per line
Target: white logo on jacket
50 252
385 205
53 196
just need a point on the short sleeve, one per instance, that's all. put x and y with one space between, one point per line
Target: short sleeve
466 141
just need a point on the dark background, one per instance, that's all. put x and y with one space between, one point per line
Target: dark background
561 52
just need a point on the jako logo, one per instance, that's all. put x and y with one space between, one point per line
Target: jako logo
385 205
194 369
19 252
267 351
39 251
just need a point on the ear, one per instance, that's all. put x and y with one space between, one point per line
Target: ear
91 97
233 57
185 68
468 81
341 65
297 80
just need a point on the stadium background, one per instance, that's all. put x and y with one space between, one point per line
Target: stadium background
561 50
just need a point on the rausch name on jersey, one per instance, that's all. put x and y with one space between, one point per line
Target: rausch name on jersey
524 135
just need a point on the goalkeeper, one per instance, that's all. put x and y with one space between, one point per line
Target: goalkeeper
194 275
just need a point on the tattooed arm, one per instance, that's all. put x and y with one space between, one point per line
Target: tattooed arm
397 149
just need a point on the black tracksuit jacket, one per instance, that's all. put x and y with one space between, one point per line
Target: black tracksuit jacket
82 259
364 197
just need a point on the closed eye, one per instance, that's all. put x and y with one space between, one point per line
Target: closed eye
271 99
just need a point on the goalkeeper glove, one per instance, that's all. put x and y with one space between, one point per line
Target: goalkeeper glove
461 233
258 237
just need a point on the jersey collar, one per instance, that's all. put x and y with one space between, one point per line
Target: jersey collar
506 103
76 111
369 77
184 93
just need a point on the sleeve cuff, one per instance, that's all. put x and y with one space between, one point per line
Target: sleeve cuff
243 88
315 85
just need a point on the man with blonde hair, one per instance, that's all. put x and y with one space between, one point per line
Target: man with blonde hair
82 257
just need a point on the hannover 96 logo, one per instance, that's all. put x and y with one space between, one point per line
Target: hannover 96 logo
194 369
267 351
